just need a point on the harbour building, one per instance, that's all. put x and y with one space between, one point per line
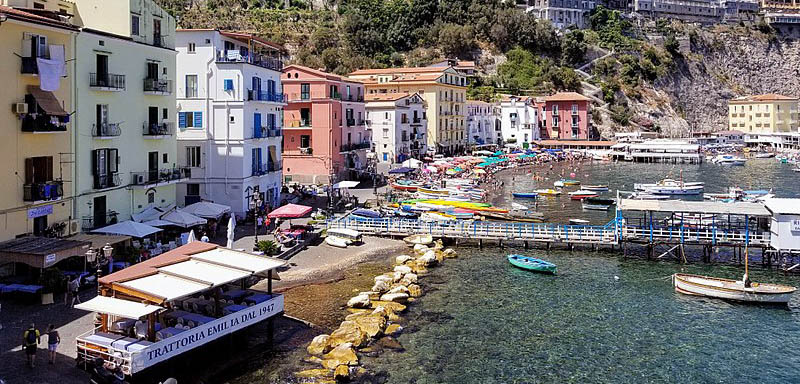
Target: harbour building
519 120
398 126
124 118
37 147
783 15
767 120
567 116
230 118
325 135
444 91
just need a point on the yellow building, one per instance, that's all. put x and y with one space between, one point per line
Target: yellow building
763 114
126 158
444 90
37 146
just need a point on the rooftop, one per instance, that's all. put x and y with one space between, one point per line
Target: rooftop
763 98
241 36
681 206
386 96
317 72
583 143
567 96
783 206
38 16
400 70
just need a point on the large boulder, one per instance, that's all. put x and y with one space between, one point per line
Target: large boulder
348 333
402 269
372 325
393 330
318 373
389 305
389 342
420 249
380 286
344 354
449 253
385 277
402 259
429 258
399 289
438 244
341 373
409 278
397 276
414 290
395 297
319 345
360 301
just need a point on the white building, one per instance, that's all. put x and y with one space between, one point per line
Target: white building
481 123
519 120
562 13
785 226
230 116
398 123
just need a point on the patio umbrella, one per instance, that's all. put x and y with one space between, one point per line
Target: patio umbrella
290 211
231 228
207 209
183 219
148 214
191 238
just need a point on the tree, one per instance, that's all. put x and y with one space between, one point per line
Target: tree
456 40
672 46
564 79
573 47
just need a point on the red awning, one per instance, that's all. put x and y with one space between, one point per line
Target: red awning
290 211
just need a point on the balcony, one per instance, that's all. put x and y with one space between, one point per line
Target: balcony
276 132
108 180
357 99
354 147
159 41
416 121
265 96
157 87
275 166
263 169
336 96
106 130
235 56
45 191
157 130
107 82
88 222
351 122
298 124
266 132
160 176
43 124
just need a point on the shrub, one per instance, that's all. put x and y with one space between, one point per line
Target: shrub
269 247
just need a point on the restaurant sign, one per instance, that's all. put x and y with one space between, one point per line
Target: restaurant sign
40 211
202 334
795 225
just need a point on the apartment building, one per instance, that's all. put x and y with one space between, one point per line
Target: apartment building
566 116
325 135
398 125
125 114
37 147
783 15
444 91
519 120
230 118
770 120
481 123
562 13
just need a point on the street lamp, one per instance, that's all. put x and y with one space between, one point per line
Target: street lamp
107 250
256 204
90 257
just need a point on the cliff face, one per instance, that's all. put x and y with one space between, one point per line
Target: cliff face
723 63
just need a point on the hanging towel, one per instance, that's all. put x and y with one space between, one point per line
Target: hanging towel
50 74
57 54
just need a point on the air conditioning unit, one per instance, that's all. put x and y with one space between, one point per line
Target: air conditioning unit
139 179
73 227
20 108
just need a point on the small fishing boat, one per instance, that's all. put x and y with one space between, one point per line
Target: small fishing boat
738 290
405 187
519 207
436 216
432 191
336 241
796 169
367 213
764 155
598 204
532 264
525 195
548 192
569 182
596 188
582 194
418 239
648 196
728 160
578 222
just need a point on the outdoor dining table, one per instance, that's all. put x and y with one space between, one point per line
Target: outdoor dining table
235 294
194 319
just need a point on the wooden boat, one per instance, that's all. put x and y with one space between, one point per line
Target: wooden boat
582 194
336 241
548 192
596 188
598 204
525 195
532 264
519 207
568 182
418 239
430 191
578 222
405 187
731 289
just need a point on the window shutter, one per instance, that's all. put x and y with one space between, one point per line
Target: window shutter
29 170
198 119
228 84
48 168
182 119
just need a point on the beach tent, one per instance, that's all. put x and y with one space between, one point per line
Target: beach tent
129 228
401 170
290 211
183 219
412 163
207 210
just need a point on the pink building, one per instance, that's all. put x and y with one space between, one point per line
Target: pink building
324 130
566 117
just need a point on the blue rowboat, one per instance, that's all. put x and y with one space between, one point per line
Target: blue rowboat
532 264
525 195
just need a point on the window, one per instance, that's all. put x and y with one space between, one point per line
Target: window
38 6
151 197
191 48
555 109
256 161
165 158
228 85
135 25
193 156
305 91
164 113
305 141
190 120
192 189
191 86
104 167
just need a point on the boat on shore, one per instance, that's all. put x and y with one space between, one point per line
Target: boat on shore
418 239
337 242
548 192
407 187
578 222
532 264
598 204
525 195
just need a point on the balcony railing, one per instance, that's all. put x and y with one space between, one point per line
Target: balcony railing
351 122
43 123
157 129
107 81
355 146
263 169
266 132
235 56
108 180
163 175
159 41
89 222
158 86
276 132
358 99
106 130
46 191
254 95
336 95
416 120
298 124
275 166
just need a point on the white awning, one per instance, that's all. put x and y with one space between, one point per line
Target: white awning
345 184
207 209
239 260
165 286
183 219
205 272
118 307
129 228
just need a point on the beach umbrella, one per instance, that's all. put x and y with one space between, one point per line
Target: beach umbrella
231 227
191 238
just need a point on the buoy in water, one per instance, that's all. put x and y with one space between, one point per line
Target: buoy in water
616 278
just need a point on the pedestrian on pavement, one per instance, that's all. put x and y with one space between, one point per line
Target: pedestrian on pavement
53 340
73 288
30 341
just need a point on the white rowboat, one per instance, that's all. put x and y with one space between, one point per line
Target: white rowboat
731 289
336 242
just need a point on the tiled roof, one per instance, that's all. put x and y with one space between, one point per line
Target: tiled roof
19 14
403 70
386 96
317 72
148 267
567 96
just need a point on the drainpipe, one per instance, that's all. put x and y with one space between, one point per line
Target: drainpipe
227 141
209 112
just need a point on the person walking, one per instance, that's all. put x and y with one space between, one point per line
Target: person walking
30 341
53 340
73 288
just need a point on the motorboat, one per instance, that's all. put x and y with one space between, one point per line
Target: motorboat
598 204
337 242
582 194
596 188
668 183
728 160
648 196
566 183
518 207
764 155
672 187
578 222
525 195
548 192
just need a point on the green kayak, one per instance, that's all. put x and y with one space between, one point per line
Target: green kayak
532 264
